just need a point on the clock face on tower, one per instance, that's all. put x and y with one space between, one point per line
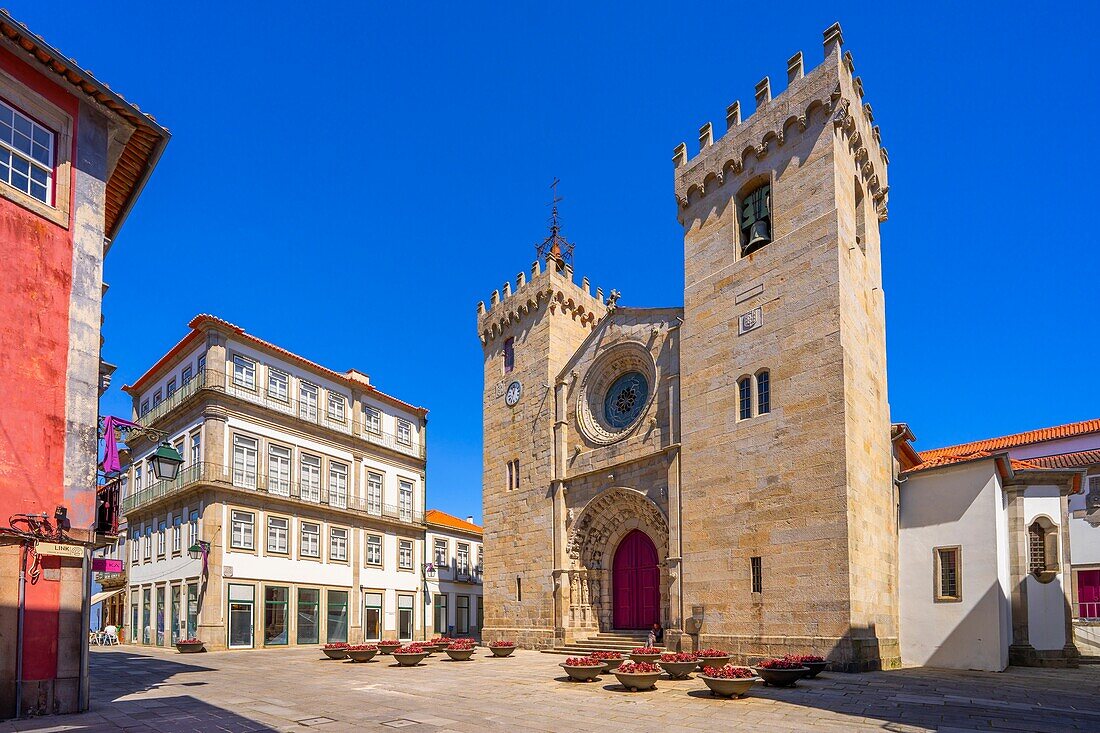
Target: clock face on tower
511 397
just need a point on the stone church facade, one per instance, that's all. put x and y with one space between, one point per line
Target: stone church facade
736 449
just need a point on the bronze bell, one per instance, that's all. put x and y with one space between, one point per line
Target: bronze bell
758 234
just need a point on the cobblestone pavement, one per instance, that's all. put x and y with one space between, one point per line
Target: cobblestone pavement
298 690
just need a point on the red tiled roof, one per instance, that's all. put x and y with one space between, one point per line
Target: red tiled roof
443 519
1011 441
947 460
204 319
1080 459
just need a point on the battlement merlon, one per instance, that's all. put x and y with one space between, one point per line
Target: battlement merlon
830 90
551 287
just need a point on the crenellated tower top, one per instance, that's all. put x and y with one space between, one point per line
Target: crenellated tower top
831 88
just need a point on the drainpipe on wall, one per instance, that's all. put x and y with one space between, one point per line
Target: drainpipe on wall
19 630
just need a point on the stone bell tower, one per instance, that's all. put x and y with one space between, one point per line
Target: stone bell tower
527 335
789 508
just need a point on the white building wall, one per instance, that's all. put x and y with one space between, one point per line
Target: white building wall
957 506
446 581
1046 626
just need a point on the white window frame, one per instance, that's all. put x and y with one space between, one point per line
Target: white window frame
405 554
376 483
372 419
310 479
245 460
244 372
22 100
177 534
338 544
404 432
462 558
193 528
170 388
278 538
278 385
39 138
162 537
280 461
310 534
338 484
186 375
144 409
337 407
242 534
405 500
443 560
196 447
307 409
374 548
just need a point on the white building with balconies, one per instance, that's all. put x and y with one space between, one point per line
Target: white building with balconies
297 517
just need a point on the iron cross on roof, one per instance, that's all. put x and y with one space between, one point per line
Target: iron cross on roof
555 247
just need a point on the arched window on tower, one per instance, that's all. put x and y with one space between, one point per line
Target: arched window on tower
744 397
756 219
763 392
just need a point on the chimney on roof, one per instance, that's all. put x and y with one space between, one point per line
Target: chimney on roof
357 376
470 519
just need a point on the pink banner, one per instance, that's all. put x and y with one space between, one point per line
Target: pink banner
106 565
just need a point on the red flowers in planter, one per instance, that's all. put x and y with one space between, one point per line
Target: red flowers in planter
711 653
729 672
389 642
679 657
440 640
189 641
804 658
779 664
336 645
583 662
362 648
410 649
502 644
604 656
645 650
460 645
638 668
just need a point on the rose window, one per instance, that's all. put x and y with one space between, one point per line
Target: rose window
625 399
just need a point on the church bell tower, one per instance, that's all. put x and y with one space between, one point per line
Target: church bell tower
789 508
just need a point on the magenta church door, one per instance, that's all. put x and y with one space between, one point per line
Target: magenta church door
634 582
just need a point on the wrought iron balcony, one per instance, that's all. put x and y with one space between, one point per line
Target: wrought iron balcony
309 412
307 493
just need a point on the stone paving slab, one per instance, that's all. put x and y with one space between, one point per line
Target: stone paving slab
137 690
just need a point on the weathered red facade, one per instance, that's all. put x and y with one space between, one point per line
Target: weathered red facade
51 284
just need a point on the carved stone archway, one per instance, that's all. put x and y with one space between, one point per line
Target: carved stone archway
592 539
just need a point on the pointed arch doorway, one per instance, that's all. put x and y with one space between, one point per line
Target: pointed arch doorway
635 583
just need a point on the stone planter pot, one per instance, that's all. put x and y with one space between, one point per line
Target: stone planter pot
582 674
189 648
335 653
410 660
636 682
713 662
816 668
388 648
645 657
610 664
502 651
361 655
678 670
781 677
729 688
460 655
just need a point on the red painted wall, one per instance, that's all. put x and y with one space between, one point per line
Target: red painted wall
35 284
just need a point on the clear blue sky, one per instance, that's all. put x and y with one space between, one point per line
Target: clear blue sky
348 180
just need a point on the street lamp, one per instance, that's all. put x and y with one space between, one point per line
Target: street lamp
166 462
199 549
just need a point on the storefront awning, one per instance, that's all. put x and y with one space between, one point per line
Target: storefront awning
104 595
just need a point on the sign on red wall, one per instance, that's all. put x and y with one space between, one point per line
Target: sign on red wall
106 565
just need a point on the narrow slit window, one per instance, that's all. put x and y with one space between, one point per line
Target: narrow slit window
756 569
744 395
509 354
763 393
